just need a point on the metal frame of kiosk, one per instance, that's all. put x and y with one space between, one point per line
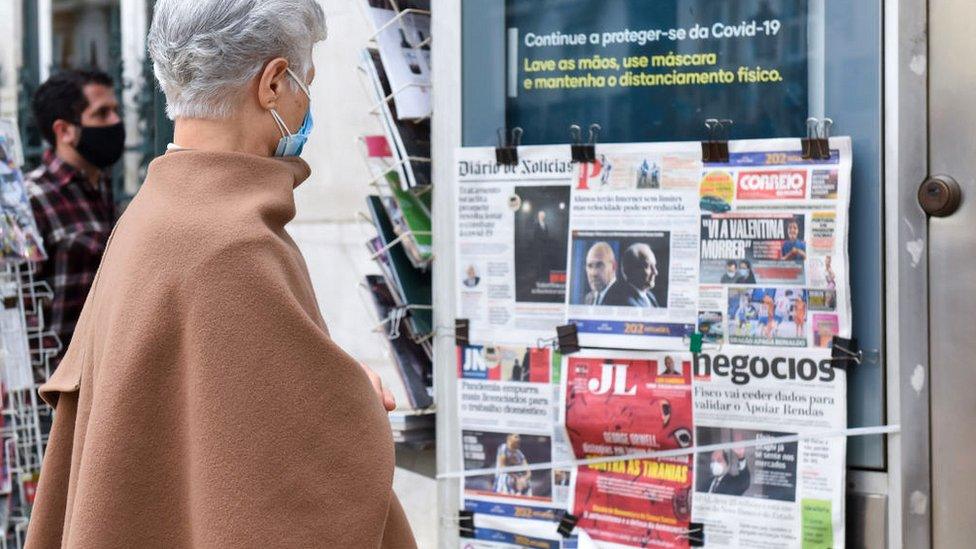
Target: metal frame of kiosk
891 508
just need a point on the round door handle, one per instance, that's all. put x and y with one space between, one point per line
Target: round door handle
939 195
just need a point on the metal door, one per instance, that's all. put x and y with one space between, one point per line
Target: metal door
952 266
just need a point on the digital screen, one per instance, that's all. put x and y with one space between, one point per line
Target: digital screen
655 71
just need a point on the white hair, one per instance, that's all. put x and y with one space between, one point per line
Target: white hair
205 52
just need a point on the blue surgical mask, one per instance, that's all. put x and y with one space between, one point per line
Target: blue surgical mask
291 144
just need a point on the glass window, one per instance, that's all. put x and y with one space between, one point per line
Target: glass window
656 73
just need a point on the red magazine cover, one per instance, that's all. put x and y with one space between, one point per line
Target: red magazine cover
617 404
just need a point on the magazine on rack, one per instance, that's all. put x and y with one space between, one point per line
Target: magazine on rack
411 218
410 139
20 239
410 286
409 210
17 373
13 152
413 364
403 40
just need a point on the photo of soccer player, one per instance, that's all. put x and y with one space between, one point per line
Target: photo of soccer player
768 316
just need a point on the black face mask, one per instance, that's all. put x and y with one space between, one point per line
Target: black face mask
102 146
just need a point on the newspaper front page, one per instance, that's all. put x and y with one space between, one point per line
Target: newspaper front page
773 253
508 406
512 227
781 494
620 403
753 255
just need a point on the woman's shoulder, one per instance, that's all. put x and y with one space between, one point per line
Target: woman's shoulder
247 251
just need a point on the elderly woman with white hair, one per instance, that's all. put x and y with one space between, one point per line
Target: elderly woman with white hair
201 402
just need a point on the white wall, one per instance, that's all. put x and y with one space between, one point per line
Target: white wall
340 105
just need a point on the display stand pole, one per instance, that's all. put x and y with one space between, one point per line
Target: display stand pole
445 137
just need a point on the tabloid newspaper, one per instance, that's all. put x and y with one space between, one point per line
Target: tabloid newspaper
745 252
753 255
512 226
619 403
773 257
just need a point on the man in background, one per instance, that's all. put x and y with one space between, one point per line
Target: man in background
70 192
601 273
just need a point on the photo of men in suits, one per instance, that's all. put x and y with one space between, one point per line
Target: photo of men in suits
621 270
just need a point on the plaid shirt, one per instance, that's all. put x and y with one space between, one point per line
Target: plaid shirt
75 219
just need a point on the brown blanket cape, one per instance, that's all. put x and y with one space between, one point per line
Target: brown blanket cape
201 402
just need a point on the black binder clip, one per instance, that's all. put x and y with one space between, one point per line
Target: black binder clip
466 524
584 152
567 524
461 328
843 351
715 150
816 145
696 534
507 152
568 339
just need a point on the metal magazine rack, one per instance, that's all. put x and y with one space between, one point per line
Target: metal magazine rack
25 339
393 176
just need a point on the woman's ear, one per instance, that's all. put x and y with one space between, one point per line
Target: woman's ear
270 83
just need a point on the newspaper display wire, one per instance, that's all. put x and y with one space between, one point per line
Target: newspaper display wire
678 452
